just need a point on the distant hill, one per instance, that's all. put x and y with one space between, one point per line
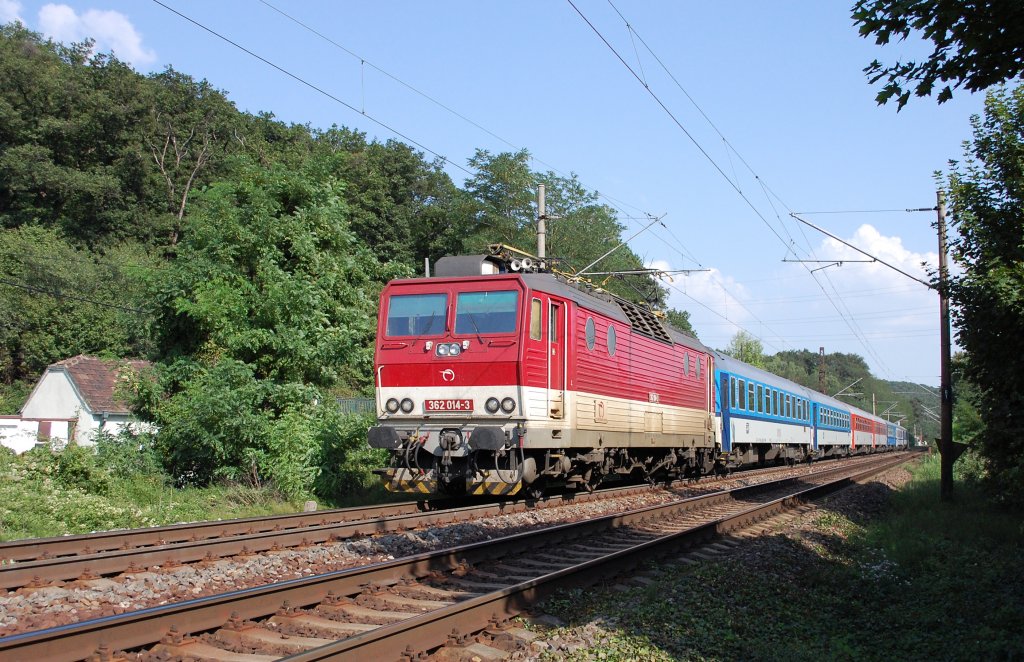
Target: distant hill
897 401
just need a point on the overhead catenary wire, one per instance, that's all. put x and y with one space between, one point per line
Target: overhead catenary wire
847 316
314 87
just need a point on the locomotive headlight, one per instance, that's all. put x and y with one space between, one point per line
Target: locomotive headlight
442 350
508 405
407 405
454 349
391 405
491 405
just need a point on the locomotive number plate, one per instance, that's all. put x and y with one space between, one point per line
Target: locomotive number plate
448 405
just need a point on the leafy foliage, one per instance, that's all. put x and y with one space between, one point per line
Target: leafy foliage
680 319
746 348
270 302
976 44
987 195
579 229
58 301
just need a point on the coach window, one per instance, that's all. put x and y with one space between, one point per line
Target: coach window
786 408
743 394
611 340
751 405
760 399
775 402
536 323
591 333
734 401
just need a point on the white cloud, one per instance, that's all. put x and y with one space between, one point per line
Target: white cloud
110 29
889 249
10 11
703 290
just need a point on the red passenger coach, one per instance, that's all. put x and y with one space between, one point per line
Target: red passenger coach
490 380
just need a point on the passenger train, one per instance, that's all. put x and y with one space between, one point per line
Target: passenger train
493 377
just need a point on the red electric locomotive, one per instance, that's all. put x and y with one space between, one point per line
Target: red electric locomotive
492 378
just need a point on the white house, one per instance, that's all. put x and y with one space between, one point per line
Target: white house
73 400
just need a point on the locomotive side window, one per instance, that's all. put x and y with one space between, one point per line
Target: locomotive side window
486 312
416 314
591 333
699 362
536 326
611 340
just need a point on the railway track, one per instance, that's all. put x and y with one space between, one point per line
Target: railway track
418 603
41 562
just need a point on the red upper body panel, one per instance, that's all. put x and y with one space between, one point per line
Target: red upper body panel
640 368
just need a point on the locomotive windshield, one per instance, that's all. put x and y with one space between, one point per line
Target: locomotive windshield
417 314
486 312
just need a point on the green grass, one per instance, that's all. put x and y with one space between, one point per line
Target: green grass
78 490
923 581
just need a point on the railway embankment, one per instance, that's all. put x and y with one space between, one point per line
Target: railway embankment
880 571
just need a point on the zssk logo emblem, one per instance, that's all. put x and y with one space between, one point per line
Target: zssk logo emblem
448 375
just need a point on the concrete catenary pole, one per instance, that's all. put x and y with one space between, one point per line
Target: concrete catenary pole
542 232
821 369
946 419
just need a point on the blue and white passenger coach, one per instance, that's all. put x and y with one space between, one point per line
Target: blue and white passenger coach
763 417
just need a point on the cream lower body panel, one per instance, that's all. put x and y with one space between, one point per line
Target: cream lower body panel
833 438
749 431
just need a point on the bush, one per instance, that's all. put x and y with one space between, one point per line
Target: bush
126 455
346 461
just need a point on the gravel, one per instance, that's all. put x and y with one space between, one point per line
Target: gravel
32 609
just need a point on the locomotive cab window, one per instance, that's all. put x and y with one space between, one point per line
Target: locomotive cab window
536 323
416 315
486 312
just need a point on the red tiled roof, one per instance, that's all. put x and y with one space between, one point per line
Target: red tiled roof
96 379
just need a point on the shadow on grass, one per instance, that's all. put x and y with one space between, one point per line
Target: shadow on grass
880 575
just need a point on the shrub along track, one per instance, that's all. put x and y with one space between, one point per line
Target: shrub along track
421 602
42 562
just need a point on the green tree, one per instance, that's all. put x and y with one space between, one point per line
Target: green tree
580 229
987 201
976 44
57 301
270 303
680 319
746 348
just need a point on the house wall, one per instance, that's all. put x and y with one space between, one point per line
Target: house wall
54 397
21 434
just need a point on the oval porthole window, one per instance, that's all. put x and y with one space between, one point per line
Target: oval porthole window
591 333
611 341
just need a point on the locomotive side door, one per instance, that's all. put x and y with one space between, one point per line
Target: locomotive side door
556 359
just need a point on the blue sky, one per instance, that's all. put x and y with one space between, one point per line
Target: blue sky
781 82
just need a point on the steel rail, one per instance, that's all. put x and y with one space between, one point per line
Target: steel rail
225 538
433 629
147 626
30 549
